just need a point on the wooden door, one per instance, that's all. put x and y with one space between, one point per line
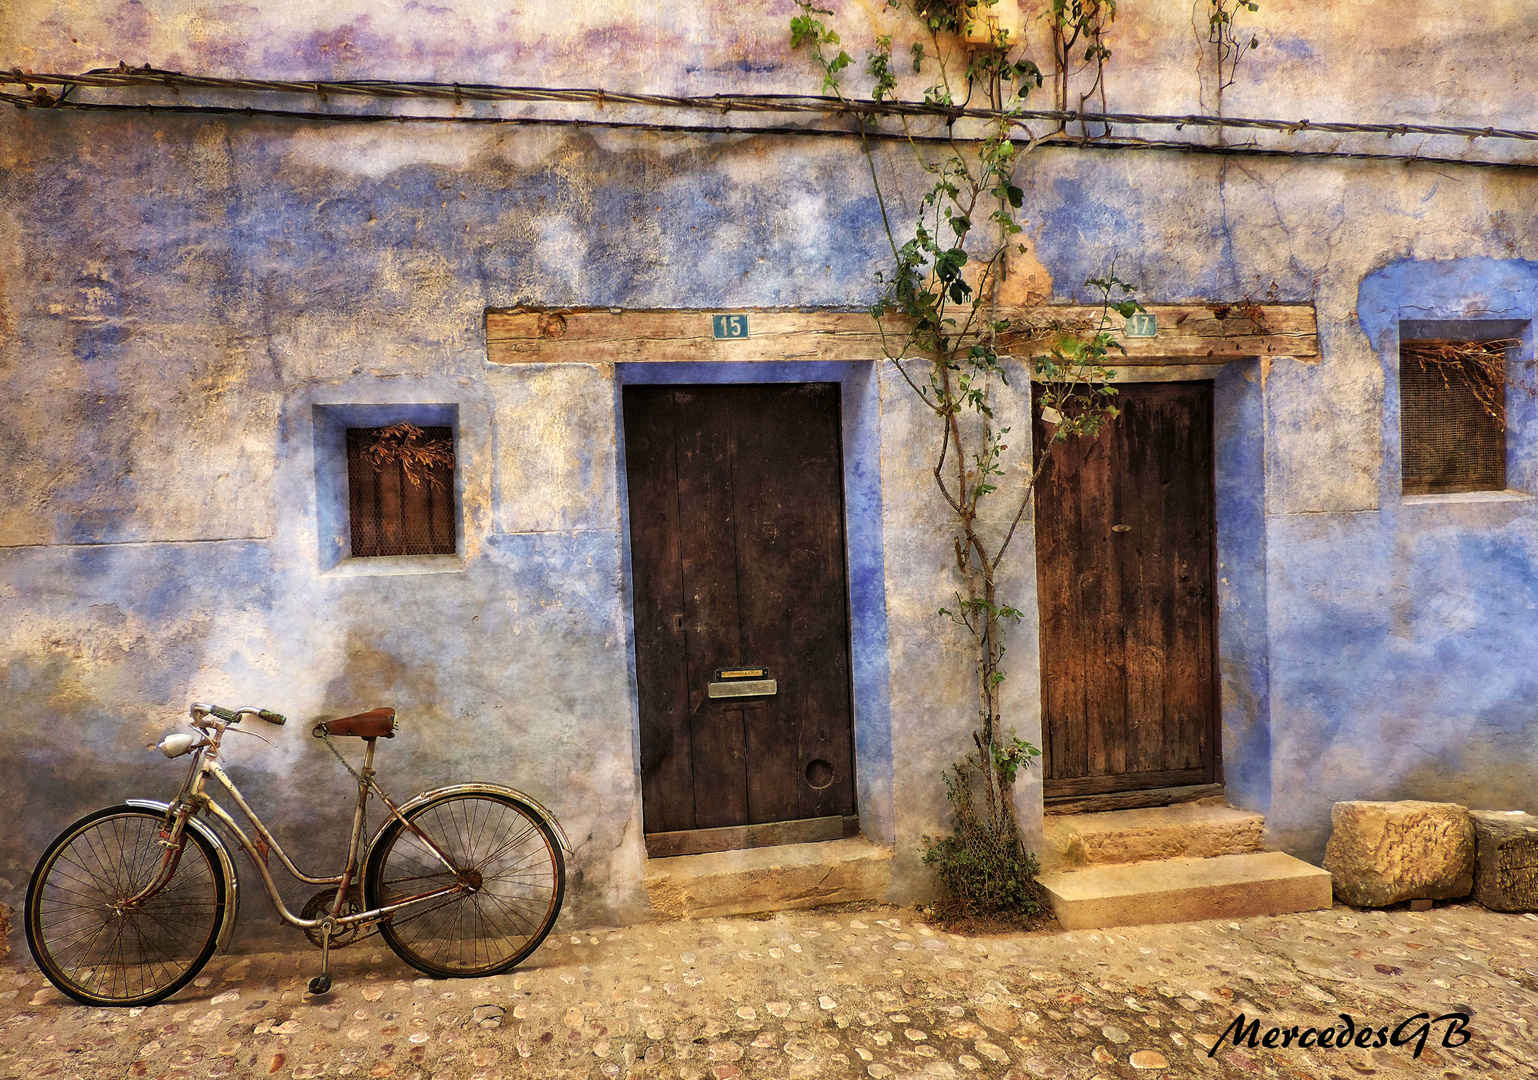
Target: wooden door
1125 534
737 555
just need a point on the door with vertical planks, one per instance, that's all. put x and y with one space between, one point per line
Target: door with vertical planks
737 559
1125 537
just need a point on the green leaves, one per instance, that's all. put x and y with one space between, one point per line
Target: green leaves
948 264
878 65
1009 757
970 608
1223 33
938 94
1073 380
806 29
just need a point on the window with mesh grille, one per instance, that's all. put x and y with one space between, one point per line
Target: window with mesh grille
400 491
1450 439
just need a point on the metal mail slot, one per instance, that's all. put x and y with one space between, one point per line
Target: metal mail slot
744 688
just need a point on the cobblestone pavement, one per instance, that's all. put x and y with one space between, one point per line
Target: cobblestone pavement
833 993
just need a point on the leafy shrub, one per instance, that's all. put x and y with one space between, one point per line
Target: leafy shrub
983 866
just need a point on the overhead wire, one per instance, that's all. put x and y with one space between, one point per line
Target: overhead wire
866 112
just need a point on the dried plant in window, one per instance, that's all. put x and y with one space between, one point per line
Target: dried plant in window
421 456
1478 365
400 491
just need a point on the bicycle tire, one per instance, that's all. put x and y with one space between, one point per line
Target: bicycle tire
100 956
521 887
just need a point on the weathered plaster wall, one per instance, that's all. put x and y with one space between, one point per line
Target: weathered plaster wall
1406 633
178 296
337 292
934 695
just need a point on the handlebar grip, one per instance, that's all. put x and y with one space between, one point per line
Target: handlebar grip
229 716
273 717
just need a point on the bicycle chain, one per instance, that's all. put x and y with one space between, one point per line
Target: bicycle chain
373 929
321 734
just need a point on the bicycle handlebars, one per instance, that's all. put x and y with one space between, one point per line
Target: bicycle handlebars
232 716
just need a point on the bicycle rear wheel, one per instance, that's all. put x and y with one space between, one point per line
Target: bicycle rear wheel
509 863
101 953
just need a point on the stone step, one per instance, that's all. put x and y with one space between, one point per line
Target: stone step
769 879
1186 830
1185 890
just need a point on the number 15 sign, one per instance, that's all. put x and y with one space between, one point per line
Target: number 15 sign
729 326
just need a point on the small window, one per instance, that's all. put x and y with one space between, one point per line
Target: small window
400 490
1452 415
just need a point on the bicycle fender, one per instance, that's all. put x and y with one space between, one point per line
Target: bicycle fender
482 789
227 864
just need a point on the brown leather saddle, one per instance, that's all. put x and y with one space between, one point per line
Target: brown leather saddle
374 724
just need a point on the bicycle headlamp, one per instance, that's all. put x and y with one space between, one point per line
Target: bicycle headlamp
177 744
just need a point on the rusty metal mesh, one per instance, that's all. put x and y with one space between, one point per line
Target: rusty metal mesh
1450 440
397 506
983 866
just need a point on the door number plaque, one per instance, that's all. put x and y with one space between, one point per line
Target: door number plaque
729 327
1139 324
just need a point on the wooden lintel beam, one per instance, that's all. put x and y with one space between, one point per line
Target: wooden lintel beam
1185 333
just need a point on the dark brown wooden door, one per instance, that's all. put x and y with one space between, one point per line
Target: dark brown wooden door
1124 564
737 555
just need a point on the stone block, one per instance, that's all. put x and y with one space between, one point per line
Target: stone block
1382 853
1505 860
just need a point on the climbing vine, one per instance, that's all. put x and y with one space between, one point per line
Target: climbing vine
1228 41
1081 25
942 329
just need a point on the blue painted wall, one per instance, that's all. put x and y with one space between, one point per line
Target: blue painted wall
1404 636
183 300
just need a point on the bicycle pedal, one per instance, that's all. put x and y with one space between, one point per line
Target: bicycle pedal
321 984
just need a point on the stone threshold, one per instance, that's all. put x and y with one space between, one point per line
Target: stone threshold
1185 830
755 880
1185 890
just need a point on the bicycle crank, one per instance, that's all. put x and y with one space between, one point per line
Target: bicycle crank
319 906
321 984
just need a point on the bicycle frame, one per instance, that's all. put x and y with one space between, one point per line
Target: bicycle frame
193 798
460 881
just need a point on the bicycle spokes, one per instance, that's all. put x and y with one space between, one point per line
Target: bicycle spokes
508 882
94 939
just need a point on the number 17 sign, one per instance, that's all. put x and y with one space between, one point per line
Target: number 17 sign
1139 324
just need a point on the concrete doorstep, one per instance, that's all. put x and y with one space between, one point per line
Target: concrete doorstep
1189 861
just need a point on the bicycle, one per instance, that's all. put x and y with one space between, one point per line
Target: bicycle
128 904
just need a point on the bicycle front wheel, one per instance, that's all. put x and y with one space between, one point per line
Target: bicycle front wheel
93 946
508 871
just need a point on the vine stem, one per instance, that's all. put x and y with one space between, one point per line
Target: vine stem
948 310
